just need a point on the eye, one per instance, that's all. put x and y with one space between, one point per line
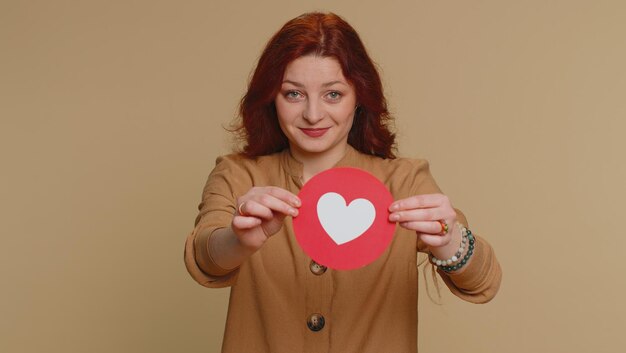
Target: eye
334 95
293 95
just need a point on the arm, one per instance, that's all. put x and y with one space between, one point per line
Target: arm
215 212
259 215
479 280
227 232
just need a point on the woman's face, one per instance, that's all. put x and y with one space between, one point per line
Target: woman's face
315 108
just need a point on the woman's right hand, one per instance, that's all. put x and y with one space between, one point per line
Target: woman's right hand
260 214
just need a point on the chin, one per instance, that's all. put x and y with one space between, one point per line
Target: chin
312 150
309 147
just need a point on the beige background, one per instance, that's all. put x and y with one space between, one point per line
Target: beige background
110 122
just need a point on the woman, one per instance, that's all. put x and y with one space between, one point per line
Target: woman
315 102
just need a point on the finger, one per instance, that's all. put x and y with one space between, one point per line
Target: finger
266 205
254 209
242 222
270 228
435 240
418 201
421 214
278 205
428 227
284 195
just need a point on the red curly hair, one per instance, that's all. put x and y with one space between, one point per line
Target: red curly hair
326 35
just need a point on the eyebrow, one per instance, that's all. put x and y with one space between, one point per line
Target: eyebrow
327 84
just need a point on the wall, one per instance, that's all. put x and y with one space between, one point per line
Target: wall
111 115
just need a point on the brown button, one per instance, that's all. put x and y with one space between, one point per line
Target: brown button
315 322
317 268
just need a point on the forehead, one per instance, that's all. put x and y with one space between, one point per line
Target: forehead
313 69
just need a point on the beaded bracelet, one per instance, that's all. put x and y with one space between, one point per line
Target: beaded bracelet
446 265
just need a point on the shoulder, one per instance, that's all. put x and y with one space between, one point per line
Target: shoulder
239 173
403 176
394 168
402 164
237 161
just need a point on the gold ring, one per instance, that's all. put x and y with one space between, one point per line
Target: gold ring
241 213
444 227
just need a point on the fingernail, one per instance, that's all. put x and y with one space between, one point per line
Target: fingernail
394 217
293 212
296 202
395 207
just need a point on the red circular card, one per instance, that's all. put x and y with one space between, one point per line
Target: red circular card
343 222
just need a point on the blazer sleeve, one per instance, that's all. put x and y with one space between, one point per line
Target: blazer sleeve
479 280
216 211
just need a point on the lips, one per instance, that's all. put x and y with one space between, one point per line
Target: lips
315 132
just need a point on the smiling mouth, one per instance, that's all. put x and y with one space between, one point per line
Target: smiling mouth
315 132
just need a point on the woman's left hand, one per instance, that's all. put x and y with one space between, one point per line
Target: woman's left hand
425 214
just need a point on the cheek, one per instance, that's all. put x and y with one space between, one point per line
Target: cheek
347 116
281 113
285 118
285 112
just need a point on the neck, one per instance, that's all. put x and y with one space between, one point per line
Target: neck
313 163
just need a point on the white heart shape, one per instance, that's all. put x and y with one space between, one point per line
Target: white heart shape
344 223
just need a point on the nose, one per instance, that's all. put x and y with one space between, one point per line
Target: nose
313 112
